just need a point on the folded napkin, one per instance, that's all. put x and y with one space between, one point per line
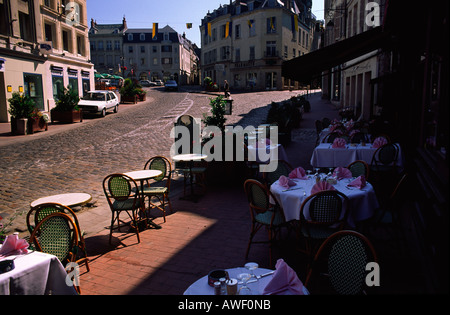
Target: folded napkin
299 172
342 172
285 182
320 186
359 182
13 246
284 281
379 142
339 143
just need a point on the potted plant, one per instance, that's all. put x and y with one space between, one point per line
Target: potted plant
66 109
20 108
131 92
38 121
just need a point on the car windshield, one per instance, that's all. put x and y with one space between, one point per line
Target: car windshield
94 97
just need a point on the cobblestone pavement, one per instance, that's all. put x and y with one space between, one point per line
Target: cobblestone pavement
77 158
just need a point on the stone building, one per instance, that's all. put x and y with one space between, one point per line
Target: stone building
44 47
160 54
246 42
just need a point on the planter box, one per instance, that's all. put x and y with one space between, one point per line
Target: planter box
129 99
68 117
19 126
142 97
37 125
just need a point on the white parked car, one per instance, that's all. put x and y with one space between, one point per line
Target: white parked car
99 102
158 83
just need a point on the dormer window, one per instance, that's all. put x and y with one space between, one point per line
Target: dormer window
142 37
130 37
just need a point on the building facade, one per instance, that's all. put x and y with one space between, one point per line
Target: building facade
160 54
351 84
106 42
246 42
44 47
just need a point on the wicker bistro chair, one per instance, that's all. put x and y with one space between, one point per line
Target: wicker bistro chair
327 214
38 213
283 168
160 188
123 195
385 158
263 213
339 266
57 234
359 168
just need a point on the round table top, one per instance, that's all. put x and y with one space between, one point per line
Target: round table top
69 199
143 174
189 157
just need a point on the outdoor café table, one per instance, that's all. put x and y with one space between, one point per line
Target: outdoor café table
141 176
35 273
68 200
362 202
326 156
190 158
201 286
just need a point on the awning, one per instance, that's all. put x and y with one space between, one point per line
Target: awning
306 67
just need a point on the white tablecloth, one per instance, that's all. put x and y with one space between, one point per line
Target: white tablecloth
201 287
362 202
35 273
326 156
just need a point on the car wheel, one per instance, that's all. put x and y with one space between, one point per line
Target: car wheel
103 112
116 108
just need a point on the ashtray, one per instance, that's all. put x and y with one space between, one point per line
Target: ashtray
215 275
6 265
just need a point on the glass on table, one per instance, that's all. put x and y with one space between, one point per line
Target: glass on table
251 267
244 289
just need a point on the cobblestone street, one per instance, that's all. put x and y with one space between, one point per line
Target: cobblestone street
77 159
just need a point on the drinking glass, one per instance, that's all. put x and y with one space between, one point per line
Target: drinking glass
251 266
309 173
244 277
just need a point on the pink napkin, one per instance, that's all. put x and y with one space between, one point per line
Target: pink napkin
359 182
320 186
13 246
379 142
339 143
285 182
342 172
299 172
284 281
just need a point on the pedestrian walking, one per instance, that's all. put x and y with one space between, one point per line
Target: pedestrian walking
226 88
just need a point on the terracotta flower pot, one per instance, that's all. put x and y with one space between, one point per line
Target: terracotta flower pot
67 117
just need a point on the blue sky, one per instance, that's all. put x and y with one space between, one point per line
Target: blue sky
176 13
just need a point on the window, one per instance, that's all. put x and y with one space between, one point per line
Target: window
3 22
142 49
100 45
271 48
252 53
155 61
271 25
225 52
93 48
48 33
237 31
33 88
154 49
80 45
108 45
109 61
166 48
130 37
237 53
58 85
73 84
26 32
166 61
285 52
116 45
142 61
252 28
130 49
214 34
142 37
166 36
65 39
